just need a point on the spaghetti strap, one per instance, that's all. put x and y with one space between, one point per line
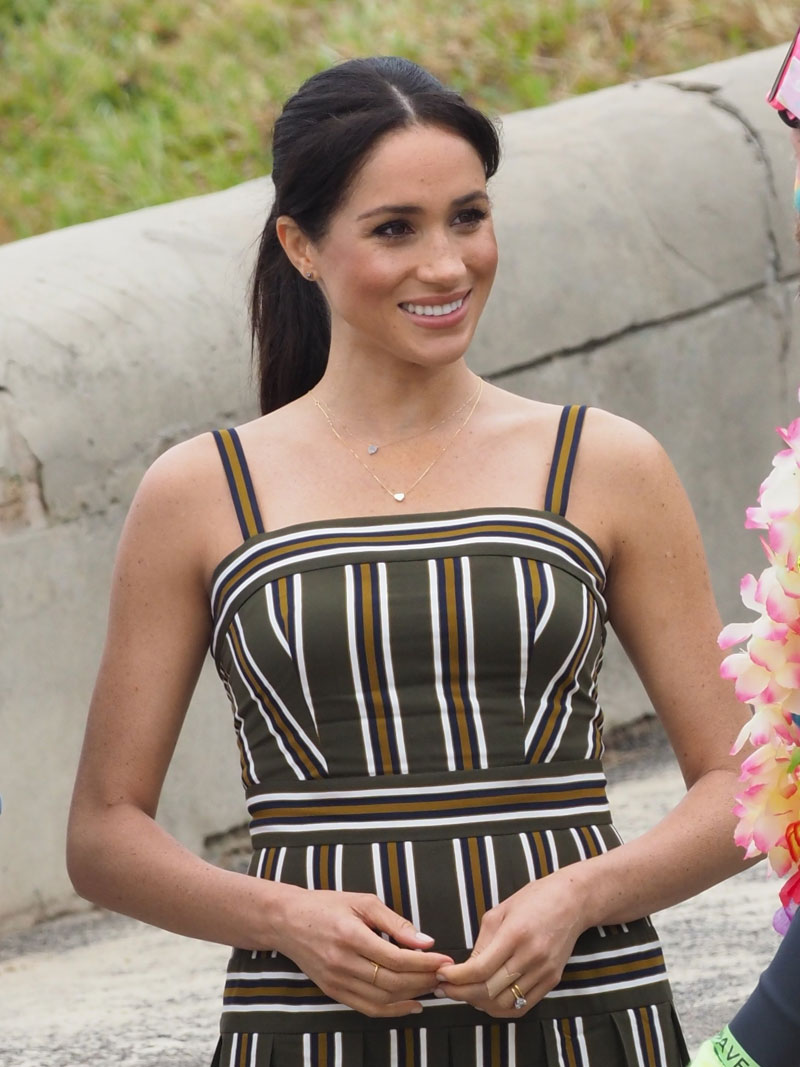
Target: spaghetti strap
566 449
239 482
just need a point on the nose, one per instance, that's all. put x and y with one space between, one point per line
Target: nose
441 263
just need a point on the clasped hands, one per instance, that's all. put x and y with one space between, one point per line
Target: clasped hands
519 956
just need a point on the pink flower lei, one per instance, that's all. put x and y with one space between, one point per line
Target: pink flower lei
767 676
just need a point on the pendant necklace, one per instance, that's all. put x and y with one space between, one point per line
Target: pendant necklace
396 494
372 448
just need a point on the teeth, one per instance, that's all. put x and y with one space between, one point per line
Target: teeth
433 309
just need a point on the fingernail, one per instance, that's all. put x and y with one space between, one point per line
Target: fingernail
419 936
416 1011
439 993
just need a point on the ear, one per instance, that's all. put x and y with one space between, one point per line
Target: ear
296 245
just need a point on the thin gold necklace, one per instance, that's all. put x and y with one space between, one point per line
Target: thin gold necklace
373 448
400 496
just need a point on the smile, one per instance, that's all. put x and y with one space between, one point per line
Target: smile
433 309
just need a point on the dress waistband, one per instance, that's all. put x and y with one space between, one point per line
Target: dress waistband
429 806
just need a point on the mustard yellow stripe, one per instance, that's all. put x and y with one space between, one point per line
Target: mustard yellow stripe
239 482
283 602
269 555
477 880
451 608
368 638
324 857
394 876
281 725
494 1047
269 863
287 992
568 1043
244 1049
648 1037
322 1049
589 841
445 805
563 459
541 855
408 1041
558 697
626 967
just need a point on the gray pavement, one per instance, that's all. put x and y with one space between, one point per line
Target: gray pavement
105 991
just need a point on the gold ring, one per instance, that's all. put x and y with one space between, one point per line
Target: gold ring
519 997
377 967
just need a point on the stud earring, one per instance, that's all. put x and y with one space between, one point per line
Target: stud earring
310 275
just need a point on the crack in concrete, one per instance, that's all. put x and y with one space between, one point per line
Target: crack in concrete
589 346
761 155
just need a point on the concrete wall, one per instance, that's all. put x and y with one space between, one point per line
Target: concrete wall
647 266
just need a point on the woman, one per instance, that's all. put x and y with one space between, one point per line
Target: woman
410 572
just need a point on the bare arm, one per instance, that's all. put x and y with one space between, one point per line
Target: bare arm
119 857
661 605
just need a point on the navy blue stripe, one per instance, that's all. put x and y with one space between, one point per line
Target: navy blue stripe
226 464
557 451
248 482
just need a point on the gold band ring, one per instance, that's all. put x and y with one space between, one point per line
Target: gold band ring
377 967
519 997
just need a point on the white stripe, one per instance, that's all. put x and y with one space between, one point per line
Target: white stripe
610 987
522 608
598 712
533 520
254 1051
300 656
279 864
582 1049
418 548
408 847
232 1060
526 851
376 870
393 1048
655 1023
337 1050
240 732
512 1045
478 1046
410 792
425 820
469 635
552 857
635 1034
493 892
548 599
310 868
557 677
437 664
579 843
337 866
566 709
354 667
613 953
462 895
423 1048
270 593
288 755
304 739
559 1042
383 595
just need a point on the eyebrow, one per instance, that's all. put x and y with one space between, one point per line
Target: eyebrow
414 209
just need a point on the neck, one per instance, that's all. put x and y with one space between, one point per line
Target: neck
385 401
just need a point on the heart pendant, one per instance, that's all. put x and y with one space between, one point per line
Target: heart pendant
372 449
399 496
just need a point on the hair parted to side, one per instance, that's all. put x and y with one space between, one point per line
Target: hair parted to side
323 136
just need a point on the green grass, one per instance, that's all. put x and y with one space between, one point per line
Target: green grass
111 105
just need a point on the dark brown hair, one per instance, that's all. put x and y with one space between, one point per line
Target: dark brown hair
323 136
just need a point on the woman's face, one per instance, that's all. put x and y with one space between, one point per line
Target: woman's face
409 258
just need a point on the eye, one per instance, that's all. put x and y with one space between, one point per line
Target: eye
395 228
470 217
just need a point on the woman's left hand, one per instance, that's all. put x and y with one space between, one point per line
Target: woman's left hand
525 941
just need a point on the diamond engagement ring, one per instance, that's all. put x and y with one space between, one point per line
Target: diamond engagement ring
519 998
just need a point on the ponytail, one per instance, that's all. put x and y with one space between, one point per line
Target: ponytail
290 325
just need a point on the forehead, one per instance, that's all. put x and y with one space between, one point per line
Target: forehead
419 164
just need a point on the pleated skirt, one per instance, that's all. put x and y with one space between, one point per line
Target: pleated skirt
648 1036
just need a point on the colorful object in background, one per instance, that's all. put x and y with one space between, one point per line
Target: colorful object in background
767 676
784 95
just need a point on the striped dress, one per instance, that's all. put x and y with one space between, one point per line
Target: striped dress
415 704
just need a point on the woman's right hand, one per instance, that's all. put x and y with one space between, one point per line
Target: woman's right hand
335 938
